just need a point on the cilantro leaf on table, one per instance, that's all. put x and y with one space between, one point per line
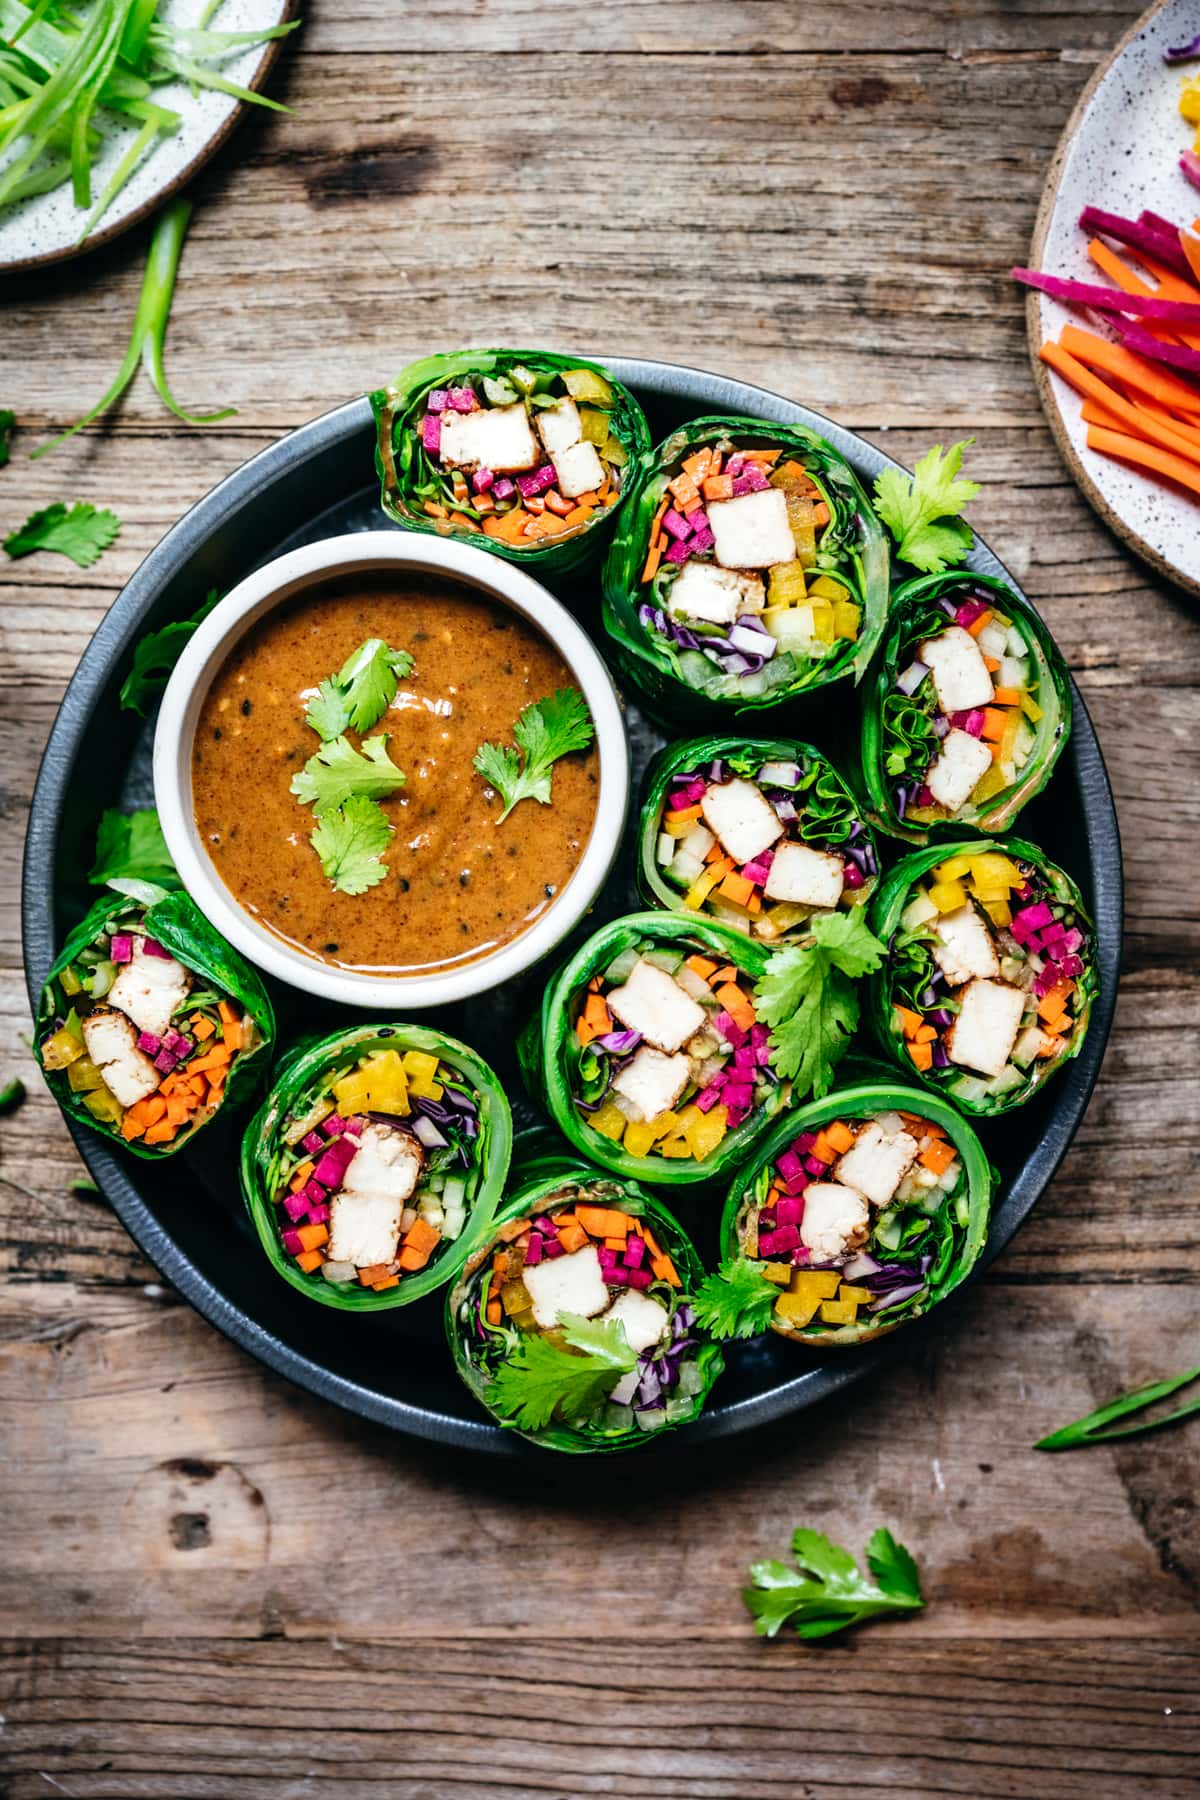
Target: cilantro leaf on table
544 731
132 845
337 771
807 995
826 1591
921 512
539 1379
7 421
736 1301
155 655
81 533
349 840
361 692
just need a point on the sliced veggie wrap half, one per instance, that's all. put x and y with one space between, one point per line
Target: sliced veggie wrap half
966 711
861 1211
525 452
374 1168
647 1052
758 833
748 568
150 1023
577 1242
990 974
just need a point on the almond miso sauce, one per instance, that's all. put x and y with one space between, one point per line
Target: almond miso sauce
459 884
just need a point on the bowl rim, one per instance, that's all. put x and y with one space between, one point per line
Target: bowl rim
287 578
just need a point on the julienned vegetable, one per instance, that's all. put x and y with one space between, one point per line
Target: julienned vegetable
967 710
527 452
149 1022
573 1324
760 834
748 567
374 1168
857 1213
990 974
648 1052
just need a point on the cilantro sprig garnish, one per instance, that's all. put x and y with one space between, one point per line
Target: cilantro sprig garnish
545 731
826 1591
540 1380
349 840
807 995
337 772
357 697
921 512
736 1301
81 532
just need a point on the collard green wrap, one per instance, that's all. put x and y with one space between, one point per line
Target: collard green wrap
903 728
219 974
1040 915
480 1346
921 1251
807 791
303 1103
850 551
409 478
553 1061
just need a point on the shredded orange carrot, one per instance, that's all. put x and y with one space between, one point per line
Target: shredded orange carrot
1122 413
1144 455
1128 366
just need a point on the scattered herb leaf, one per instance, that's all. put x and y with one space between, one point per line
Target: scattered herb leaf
1092 1429
539 1379
807 995
921 512
826 1591
155 655
545 731
132 844
348 841
80 533
736 1301
361 692
7 421
337 771
11 1095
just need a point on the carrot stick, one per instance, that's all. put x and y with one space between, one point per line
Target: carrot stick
1146 456
1128 417
1127 365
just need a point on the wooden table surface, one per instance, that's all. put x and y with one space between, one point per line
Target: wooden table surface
216 1585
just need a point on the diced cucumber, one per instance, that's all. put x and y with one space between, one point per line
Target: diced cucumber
889 1231
667 960
664 851
693 984
969 1089
621 967
454 1194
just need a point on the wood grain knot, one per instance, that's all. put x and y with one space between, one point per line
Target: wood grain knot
369 173
860 91
205 1510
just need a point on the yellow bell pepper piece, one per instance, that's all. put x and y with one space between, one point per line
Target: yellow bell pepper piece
351 1093
854 1296
993 873
1030 708
779 1273
801 517
786 585
610 1122
846 619
707 1130
593 425
1189 103
990 783
61 1049
675 1147
794 1310
815 1284
826 588
677 825
420 1069
700 889
953 869
823 624
834 1313
999 912
948 896
639 1136
83 1076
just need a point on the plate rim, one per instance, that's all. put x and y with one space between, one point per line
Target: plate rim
117 630
96 240
1076 467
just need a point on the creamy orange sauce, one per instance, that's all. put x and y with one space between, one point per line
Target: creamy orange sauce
459 883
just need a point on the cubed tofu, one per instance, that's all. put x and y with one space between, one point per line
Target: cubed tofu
876 1163
388 1161
644 1320
497 437
111 1042
745 822
964 947
954 775
805 876
364 1229
985 1030
579 470
836 1220
148 989
650 1083
714 596
752 532
960 675
559 426
652 1002
566 1284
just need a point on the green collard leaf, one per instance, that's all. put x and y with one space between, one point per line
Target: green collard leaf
736 1302
807 995
544 732
156 654
357 697
131 845
338 771
540 1381
921 512
826 1591
349 841
7 421
81 532
1102 1427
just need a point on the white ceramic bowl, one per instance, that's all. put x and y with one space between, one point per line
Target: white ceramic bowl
363 553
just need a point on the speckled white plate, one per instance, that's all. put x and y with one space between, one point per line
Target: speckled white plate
45 228
1120 151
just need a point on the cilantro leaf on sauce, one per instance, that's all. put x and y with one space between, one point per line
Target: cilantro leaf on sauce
360 693
349 840
337 771
544 731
